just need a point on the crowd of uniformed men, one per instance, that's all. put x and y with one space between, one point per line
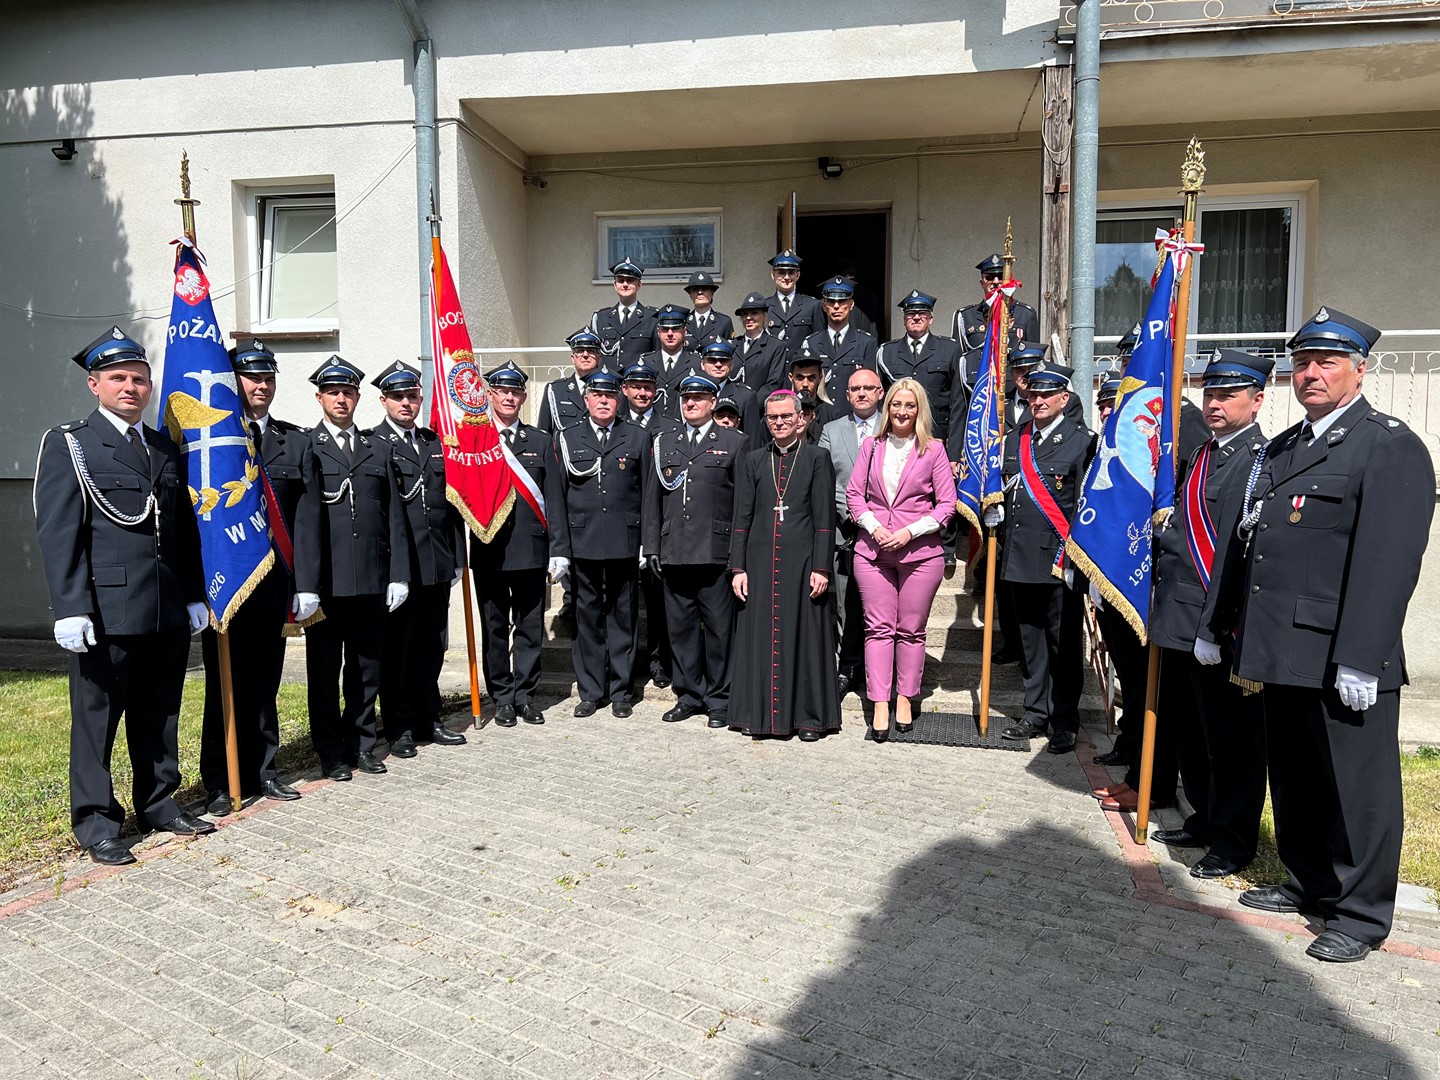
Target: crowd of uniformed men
1281 580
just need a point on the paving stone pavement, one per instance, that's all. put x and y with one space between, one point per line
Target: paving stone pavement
622 898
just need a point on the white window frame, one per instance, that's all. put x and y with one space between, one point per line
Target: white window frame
1295 201
260 220
711 215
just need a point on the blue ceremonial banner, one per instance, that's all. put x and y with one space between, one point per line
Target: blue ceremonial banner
978 484
202 411
1130 485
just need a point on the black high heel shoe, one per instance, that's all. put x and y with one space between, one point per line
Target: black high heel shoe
880 735
905 729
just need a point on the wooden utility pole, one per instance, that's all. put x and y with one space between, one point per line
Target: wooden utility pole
1056 130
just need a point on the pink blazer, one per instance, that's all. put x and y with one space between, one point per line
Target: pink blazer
926 487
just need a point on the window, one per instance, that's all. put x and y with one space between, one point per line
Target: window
297 287
1246 282
670 245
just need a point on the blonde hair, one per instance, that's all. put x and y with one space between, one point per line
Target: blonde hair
924 422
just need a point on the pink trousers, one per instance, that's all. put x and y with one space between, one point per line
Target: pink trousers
896 597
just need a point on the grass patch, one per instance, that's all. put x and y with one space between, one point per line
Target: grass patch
35 763
1420 854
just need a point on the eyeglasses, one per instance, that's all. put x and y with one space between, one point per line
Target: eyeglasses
783 418
992 277
866 389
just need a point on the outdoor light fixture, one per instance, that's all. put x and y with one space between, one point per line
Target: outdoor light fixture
830 169
65 151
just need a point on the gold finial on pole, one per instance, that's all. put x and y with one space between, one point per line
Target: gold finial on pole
185 202
1192 171
1009 247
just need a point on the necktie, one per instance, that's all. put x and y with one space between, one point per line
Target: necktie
835 339
138 442
624 314
915 348
604 437
510 438
785 305
345 444
669 363
255 436
410 438
694 437
745 349
1307 433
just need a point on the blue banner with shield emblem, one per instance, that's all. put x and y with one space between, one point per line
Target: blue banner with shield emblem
978 481
1130 486
201 409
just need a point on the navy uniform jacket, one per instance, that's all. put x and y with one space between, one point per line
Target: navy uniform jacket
433 527
624 343
130 579
666 399
1030 545
969 325
521 542
806 316
937 370
562 404
857 350
688 523
1332 587
362 530
764 368
294 473
720 325
1180 597
657 422
596 514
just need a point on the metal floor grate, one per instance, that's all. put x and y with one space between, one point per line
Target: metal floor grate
954 729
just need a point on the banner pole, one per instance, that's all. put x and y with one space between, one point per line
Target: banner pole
437 277
1002 349
1192 175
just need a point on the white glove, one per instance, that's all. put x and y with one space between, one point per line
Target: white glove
73 633
559 569
1358 691
1207 652
1096 597
641 558
993 516
199 616
396 594
305 605
1069 573
460 573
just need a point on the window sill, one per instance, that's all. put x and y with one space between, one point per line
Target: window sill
327 333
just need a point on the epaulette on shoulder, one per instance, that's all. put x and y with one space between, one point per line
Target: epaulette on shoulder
71 425
1387 422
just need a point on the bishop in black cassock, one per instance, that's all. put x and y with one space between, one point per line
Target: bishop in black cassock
784 531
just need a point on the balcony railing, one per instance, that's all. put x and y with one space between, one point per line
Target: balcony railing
1152 16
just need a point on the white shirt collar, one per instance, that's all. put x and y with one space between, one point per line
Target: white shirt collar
921 340
1319 427
598 429
1226 440
784 296
122 426
1044 433
702 430
336 432
515 427
869 421
263 421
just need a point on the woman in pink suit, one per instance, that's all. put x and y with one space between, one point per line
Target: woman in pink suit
901 494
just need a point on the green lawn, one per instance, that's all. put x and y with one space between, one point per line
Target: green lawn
35 757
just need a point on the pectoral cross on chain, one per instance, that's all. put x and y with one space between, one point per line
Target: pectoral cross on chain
780 509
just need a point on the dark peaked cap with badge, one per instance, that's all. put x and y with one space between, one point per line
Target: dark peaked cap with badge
1335 331
916 300
1236 368
671 315
396 378
786 259
628 268
1050 377
507 375
111 347
337 371
603 381
753 301
253 359
991 264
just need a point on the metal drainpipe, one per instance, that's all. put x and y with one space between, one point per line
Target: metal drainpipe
1083 187
426 164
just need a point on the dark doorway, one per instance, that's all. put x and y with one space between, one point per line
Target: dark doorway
829 240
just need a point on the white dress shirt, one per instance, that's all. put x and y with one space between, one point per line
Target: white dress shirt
897 453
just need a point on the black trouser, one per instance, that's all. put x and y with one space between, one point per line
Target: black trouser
142 677
1339 816
604 627
700 607
512 599
657 647
415 639
257 661
1050 638
850 616
1132 662
1232 726
353 630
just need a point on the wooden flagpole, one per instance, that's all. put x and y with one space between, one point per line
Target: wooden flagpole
998 390
1192 175
222 640
435 284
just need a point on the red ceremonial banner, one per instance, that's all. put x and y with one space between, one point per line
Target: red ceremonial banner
481 479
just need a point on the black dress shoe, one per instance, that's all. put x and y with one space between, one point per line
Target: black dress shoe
1062 742
531 715
403 746
585 708
1178 838
809 736
1336 948
621 709
1214 866
718 720
1022 732
274 789
112 851
681 712
440 735
1270 898
658 677
336 770
842 685
1110 757
505 716
183 824
369 763
219 804
879 735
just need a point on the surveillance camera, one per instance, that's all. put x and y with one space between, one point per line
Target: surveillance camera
535 181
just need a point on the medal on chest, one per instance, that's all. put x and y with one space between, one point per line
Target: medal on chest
1297 502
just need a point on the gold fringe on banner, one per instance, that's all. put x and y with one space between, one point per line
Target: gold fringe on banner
1247 686
501 515
1112 595
221 622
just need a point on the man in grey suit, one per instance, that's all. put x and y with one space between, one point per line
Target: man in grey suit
841 439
